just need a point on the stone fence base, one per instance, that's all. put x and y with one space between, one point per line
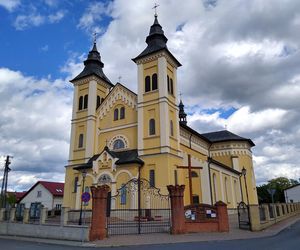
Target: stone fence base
75 233
265 215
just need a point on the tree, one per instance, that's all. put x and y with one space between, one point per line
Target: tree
279 184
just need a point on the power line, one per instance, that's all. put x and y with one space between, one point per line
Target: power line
4 181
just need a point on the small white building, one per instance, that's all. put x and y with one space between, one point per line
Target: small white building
292 194
45 193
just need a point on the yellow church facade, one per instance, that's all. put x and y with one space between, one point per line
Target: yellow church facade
118 135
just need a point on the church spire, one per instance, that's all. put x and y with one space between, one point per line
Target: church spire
93 65
156 41
182 114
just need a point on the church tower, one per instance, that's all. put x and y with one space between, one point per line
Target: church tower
91 86
158 122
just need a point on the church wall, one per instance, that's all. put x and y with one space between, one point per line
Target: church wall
129 133
69 195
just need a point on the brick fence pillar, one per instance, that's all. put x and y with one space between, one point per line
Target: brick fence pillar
222 216
177 209
98 225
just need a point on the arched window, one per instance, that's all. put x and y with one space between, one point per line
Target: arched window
116 114
122 112
85 102
147 84
80 141
123 194
226 190
171 128
235 191
98 101
194 174
171 86
215 188
118 144
151 127
154 81
80 105
168 81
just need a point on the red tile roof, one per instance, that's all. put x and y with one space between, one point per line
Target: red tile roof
55 188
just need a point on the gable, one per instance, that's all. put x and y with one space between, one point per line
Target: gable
119 94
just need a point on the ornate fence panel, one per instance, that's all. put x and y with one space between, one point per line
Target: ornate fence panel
20 212
244 217
137 208
262 214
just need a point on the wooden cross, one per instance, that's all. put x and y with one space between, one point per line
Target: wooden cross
190 167
155 8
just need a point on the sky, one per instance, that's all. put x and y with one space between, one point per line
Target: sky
240 71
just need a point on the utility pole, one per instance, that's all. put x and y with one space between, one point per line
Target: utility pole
4 182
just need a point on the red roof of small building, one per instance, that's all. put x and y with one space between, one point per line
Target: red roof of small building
55 188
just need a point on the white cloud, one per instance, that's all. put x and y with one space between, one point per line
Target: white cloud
55 18
92 15
35 124
25 21
10 5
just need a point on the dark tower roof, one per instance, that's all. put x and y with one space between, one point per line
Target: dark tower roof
182 114
156 41
93 66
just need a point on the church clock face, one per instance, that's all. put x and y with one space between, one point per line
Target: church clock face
104 179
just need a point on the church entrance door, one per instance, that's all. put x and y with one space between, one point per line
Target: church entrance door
244 216
138 208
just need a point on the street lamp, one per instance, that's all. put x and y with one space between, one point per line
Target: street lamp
82 191
244 172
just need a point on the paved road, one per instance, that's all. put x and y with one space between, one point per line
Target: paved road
287 239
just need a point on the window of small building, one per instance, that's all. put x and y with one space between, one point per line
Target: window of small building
39 194
118 144
171 128
147 84
152 178
80 141
154 81
80 104
85 102
122 112
116 114
151 127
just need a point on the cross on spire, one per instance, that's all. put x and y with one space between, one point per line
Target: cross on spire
180 94
120 77
155 9
95 36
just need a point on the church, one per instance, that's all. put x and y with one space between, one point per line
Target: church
118 135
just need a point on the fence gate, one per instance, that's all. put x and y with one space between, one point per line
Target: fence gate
20 211
244 217
138 208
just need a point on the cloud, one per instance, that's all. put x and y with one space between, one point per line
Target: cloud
55 18
35 125
45 48
92 15
10 5
25 21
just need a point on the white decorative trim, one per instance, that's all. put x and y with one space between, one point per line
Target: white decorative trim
155 56
103 173
117 93
124 171
91 78
101 131
118 137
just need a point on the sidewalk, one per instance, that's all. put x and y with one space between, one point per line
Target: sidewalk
162 238
234 234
